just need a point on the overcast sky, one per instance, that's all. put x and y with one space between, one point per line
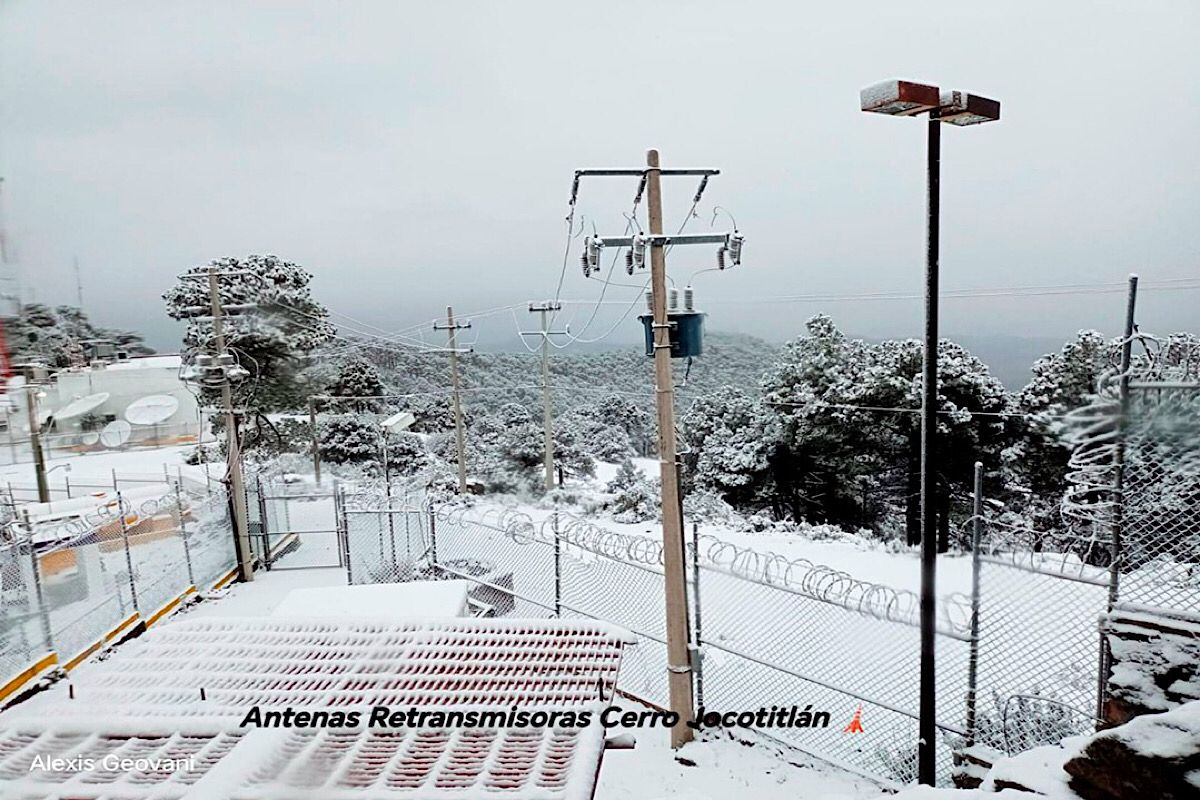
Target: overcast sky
413 155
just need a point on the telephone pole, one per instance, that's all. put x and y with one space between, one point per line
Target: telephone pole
547 416
233 455
316 444
78 284
35 442
679 670
678 656
452 328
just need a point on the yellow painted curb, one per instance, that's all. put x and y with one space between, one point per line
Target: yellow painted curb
117 631
24 677
108 637
228 578
167 609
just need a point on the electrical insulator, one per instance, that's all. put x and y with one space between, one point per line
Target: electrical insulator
587 270
638 251
593 252
721 258
629 261
735 247
673 299
689 299
650 302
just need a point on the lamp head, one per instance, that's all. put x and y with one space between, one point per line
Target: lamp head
960 108
899 98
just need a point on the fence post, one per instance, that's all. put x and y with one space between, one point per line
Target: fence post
114 477
697 655
128 556
973 658
557 567
67 481
183 534
263 526
432 535
43 612
342 523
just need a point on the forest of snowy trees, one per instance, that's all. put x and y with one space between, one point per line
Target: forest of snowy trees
824 430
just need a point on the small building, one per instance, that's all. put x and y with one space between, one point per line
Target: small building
101 393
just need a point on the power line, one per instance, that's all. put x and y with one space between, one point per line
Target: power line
1167 284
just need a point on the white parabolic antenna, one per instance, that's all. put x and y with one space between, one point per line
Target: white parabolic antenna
89 438
152 409
77 408
115 433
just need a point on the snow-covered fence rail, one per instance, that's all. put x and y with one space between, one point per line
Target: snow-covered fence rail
73 586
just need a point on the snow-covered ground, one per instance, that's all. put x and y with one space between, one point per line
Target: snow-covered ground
90 470
714 769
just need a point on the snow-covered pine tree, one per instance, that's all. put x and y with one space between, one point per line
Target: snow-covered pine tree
359 383
349 439
270 342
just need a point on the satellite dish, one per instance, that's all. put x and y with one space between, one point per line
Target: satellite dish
89 439
115 433
77 408
152 409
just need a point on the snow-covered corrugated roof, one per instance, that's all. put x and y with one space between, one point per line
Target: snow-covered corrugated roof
147 703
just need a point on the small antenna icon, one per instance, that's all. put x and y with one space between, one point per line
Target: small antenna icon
855 725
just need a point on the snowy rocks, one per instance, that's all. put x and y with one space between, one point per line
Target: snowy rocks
1155 661
1154 756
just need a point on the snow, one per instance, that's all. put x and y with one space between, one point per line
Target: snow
393 601
95 470
147 362
721 768
1173 734
607 470
1040 769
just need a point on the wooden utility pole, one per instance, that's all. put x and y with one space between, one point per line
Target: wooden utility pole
547 414
233 455
678 658
316 445
452 328
35 442
679 669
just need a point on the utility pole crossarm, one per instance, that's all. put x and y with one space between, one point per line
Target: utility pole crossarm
661 240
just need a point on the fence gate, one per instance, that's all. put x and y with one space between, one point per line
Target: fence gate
298 527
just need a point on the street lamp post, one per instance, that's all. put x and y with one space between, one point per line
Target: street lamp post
907 99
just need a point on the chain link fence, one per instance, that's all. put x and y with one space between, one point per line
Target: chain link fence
1160 527
766 631
73 584
1131 536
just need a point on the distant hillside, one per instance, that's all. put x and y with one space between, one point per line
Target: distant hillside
488 378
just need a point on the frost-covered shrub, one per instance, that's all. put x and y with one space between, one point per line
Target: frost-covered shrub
356 385
349 439
636 499
406 453
205 453
706 506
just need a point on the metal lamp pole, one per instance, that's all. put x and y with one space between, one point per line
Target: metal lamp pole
905 98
